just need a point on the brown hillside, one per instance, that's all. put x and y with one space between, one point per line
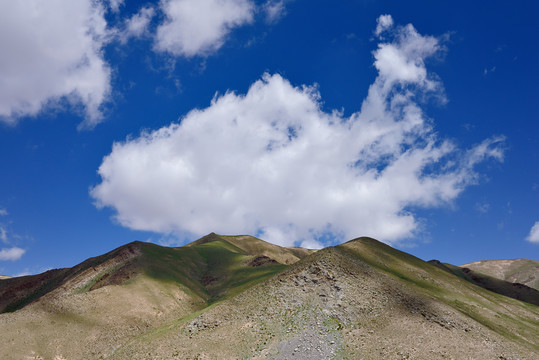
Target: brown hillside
514 290
359 300
523 271
226 297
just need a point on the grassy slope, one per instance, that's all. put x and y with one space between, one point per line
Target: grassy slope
254 246
212 269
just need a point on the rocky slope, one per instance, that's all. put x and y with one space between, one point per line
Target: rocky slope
227 298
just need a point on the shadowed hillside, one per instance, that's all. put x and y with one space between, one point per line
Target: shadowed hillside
523 271
514 290
230 297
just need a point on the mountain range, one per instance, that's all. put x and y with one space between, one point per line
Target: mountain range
239 297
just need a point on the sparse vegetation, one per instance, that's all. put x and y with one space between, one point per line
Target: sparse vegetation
211 300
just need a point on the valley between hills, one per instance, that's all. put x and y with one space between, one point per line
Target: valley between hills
239 297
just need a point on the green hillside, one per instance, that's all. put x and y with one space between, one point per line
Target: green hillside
211 269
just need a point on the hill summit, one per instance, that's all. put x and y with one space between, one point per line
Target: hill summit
231 297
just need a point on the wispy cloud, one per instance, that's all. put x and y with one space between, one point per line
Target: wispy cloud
32 271
482 207
3 235
534 233
115 5
271 162
274 10
383 23
137 25
487 71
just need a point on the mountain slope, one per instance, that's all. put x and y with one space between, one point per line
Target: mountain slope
254 246
17 292
362 299
209 267
523 271
225 297
88 310
514 290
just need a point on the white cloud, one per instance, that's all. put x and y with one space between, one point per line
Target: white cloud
199 27
11 254
272 163
137 25
534 233
32 271
402 61
52 50
383 23
491 70
114 5
482 207
3 212
274 10
3 235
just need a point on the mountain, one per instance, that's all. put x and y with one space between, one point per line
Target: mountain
209 268
514 290
227 297
523 271
253 246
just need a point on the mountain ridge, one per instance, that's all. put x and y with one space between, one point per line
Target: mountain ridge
233 297
523 271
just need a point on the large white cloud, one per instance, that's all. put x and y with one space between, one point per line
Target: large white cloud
272 163
199 27
534 233
52 50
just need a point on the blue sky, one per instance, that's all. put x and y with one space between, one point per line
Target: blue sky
302 122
